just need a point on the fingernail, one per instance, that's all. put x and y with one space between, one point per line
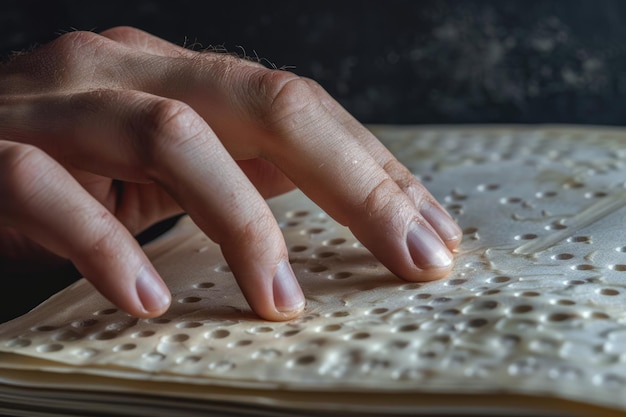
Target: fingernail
441 221
151 290
426 249
288 296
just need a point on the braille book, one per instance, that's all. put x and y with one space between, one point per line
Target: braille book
532 320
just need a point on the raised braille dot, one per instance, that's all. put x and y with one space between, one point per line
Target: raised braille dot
339 314
522 309
334 242
510 200
124 347
340 275
189 360
218 334
420 309
451 312
579 239
499 279
324 255
609 292
546 194
297 214
50 348
189 300
305 360
477 323
44 328
67 336
223 268
359 336
556 225
331 328
410 287
470 230
267 354
176 338
596 194
106 312
558 317
84 323
85 353
487 305
18 343
288 333
422 296
408 328
188 325
262 329
158 320
573 184
144 333
317 268
488 187
153 356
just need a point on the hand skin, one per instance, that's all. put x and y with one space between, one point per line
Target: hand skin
102 135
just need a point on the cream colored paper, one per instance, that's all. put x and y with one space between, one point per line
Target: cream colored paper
532 318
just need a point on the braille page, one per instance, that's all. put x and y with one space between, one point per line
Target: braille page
532 318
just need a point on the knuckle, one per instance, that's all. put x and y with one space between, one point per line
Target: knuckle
403 177
258 231
21 167
284 100
407 182
60 62
70 41
385 202
249 228
104 241
378 199
165 127
120 32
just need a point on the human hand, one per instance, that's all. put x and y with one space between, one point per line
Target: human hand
102 135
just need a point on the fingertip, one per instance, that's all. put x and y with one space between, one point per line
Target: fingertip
288 297
426 248
152 293
452 244
441 221
276 295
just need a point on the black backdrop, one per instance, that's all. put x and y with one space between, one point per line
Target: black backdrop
434 61
393 61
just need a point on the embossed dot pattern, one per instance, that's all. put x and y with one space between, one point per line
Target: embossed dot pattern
500 322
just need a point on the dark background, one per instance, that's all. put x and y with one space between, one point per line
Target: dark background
389 61
408 62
